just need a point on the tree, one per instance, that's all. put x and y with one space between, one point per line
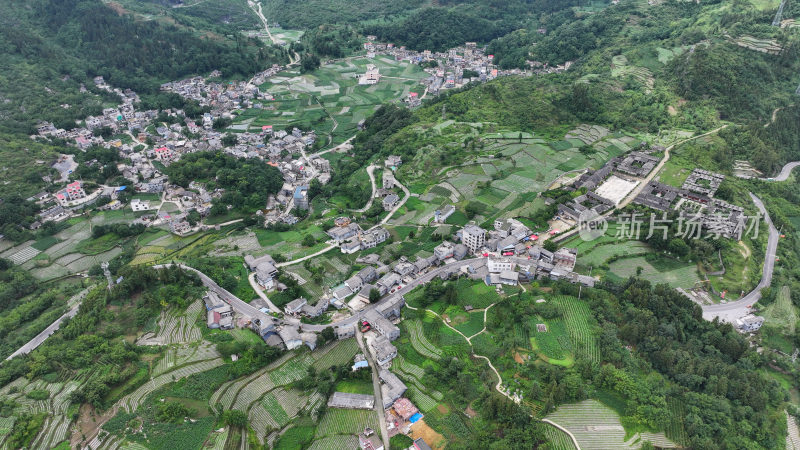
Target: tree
550 245
309 241
327 334
374 295
229 140
235 418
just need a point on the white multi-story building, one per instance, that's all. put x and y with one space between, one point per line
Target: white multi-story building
473 237
497 265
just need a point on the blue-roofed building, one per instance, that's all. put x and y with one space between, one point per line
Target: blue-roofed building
301 197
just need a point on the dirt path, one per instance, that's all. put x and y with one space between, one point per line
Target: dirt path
499 386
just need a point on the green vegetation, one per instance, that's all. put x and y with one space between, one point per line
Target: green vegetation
254 180
78 31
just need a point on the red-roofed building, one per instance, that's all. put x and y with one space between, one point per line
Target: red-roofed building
73 191
163 154
404 408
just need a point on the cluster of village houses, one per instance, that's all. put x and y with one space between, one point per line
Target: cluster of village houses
283 149
608 186
451 65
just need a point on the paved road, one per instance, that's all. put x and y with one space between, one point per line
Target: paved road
404 290
238 305
41 337
261 293
376 386
242 307
784 173
299 260
729 312
371 173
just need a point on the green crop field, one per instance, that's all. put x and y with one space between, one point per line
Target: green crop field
346 421
418 340
341 352
557 439
671 272
475 293
577 320
598 427
601 253
473 325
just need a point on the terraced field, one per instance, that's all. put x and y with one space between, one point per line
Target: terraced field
673 273
578 324
133 400
57 423
557 439
346 422
335 354
418 340
175 327
598 427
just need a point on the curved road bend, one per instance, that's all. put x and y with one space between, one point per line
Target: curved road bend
786 170
41 337
729 312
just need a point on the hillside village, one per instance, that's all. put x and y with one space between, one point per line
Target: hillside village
399 225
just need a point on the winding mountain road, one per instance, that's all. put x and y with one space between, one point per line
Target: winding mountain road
786 170
729 312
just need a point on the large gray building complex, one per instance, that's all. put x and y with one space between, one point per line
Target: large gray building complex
703 182
658 196
638 164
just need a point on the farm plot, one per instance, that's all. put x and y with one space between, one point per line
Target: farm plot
407 368
554 343
133 400
418 340
217 440
23 255
598 427
336 354
576 319
175 328
603 253
261 421
346 421
176 357
421 399
227 392
621 69
293 370
589 134
275 410
335 443
557 439
252 391
674 273
473 325
54 431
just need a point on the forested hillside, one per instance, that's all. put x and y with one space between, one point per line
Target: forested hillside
49 48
